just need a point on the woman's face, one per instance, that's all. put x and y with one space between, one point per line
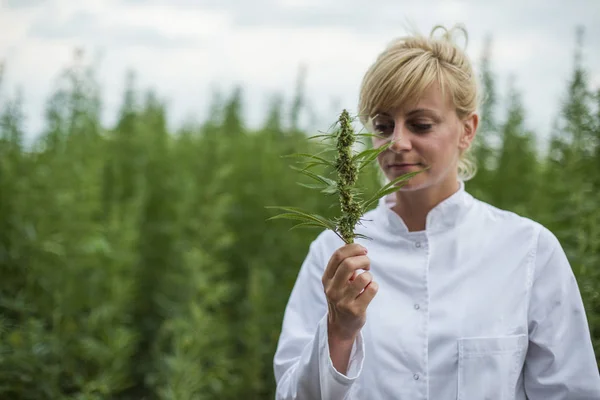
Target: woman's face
426 136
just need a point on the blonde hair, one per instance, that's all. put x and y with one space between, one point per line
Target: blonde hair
408 66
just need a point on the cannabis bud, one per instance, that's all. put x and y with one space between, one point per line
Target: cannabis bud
347 167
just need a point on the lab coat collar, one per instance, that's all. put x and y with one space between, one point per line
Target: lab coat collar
446 215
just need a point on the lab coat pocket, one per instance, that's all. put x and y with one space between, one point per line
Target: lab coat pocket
489 367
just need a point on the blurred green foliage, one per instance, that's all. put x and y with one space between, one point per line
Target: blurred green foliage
137 263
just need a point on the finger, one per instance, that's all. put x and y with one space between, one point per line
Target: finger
367 295
355 274
348 267
354 289
339 255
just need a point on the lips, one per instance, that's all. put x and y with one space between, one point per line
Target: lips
403 165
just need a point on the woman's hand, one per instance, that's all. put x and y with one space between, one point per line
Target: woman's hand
348 293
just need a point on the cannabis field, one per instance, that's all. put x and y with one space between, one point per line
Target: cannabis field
136 260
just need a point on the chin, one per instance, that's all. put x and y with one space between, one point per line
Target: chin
417 182
411 187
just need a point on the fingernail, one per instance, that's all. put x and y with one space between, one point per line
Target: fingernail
365 250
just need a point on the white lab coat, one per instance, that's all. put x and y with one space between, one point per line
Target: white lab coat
483 304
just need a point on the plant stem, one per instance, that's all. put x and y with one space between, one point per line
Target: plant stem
347 175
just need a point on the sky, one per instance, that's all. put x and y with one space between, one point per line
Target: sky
187 49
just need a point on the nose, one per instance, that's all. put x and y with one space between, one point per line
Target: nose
400 140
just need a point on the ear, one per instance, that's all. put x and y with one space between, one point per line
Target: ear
468 132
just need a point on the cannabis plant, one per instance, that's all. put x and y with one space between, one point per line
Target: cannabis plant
346 166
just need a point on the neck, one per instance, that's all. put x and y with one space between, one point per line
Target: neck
414 206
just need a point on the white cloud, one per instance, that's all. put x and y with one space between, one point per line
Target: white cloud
183 47
15 24
198 23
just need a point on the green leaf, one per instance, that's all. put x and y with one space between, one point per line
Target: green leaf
291 216
307 225
370 155
312 218
307 217
312 185
367 153
383 193
314 176
329 135
311 165
359 236
323 188
330 190
320 160
356 192
387 189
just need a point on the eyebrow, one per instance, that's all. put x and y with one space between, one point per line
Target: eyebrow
421 111
410 113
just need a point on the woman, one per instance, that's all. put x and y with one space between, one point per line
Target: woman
458 299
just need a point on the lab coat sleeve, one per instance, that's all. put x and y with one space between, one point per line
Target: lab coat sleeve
302 364
560 361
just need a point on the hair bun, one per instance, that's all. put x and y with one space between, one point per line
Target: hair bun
449 34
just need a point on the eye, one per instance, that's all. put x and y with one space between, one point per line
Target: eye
420 127
383 127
